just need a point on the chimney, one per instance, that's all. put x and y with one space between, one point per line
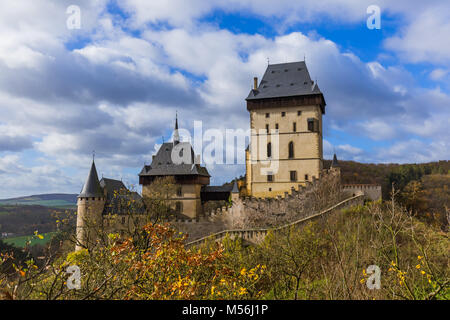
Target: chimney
255 83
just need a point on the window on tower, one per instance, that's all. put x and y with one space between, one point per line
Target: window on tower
310 124
269 150
294 127
291 150
293 175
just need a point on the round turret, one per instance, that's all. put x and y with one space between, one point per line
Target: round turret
90 205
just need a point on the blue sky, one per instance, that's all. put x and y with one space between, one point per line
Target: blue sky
114 85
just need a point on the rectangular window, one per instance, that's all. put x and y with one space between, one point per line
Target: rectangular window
269 178
283 114
293 175
179 192
310 124
179 207
299 113
294 127
306 177
267 115
276 126
267 128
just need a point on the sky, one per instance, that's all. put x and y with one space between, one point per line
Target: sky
114 82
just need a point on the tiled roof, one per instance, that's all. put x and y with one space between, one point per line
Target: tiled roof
92 186
285 80
163 165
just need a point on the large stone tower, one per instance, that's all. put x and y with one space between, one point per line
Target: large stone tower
90 205
286 120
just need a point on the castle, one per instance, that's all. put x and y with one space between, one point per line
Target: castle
284 156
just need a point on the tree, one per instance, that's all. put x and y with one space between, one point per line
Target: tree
155 266
414 197
158 198
291 257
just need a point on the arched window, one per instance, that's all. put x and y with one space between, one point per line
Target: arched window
291 150
269 150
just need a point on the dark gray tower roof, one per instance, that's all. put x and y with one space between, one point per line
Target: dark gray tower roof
92 186
335 162
235 188
162 164
285 80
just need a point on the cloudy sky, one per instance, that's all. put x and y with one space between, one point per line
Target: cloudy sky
114 84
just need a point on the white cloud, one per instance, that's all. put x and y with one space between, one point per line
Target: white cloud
425 39
379 129
415 151
24 180
181 13
118 93
438 74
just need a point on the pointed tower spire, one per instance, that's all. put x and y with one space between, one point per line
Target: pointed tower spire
334 163
235 187
176 136
92 186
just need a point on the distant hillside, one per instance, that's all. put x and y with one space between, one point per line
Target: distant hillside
54 200
385 174
24 220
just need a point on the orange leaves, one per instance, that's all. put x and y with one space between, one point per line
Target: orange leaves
165 269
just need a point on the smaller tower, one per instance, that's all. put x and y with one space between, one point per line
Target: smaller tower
90 205
177 159
235 192
335 169
334 163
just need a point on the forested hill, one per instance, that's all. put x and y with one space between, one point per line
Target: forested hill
385 174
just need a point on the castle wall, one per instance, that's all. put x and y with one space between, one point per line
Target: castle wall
371 192
252 212
248 173
120 223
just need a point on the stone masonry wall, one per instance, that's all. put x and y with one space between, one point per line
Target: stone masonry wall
251 212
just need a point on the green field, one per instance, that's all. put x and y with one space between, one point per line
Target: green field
20 242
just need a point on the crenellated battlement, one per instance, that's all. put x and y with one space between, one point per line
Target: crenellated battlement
259 212
370 191
258 235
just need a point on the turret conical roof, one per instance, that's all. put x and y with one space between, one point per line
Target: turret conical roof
92 186
235 187
335 162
